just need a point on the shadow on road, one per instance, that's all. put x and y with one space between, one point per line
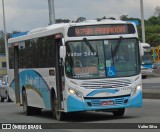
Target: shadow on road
82 116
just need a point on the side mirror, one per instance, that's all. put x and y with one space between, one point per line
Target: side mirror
63 42
62 52
141 50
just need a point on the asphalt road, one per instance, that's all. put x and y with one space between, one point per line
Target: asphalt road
149 113
151 88
153 83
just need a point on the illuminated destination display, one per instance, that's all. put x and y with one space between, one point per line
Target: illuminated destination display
95 30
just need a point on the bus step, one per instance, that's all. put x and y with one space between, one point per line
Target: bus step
61 110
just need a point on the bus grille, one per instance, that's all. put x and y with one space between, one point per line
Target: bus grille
106 84
119 101
97 102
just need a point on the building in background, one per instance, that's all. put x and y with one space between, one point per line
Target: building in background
3 66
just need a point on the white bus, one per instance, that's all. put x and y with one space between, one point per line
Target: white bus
87 66
146 60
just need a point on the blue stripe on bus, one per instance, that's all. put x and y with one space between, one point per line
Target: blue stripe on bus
19 34
33 78
147 66
74 104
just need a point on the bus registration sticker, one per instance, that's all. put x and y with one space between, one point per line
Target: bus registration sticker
110 102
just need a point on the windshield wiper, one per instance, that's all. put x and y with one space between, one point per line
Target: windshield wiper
117 46
89 45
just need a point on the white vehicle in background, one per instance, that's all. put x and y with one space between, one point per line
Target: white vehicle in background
4 94
146 60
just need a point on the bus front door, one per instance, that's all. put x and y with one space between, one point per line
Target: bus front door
59 74
16 74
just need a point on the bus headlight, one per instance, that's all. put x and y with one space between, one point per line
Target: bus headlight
136 89
75 93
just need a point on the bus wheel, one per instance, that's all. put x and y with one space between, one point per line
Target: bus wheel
8 99
144 76
36 111
119 112
2 99
57 114
27 110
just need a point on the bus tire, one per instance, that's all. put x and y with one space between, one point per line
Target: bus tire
119 112
8 99
27 110
2 99
56 114
144 76
36 111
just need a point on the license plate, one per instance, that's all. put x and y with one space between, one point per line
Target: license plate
104 103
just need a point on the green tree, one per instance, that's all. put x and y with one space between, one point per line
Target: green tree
2 44
157 11
153 20
152 30
153 34
81 19
62 20
124 17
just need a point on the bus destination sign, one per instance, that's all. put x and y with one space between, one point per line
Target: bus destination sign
96 30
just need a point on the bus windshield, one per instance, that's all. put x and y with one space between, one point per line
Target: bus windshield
147 58
98 59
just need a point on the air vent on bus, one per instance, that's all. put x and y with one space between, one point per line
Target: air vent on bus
106 84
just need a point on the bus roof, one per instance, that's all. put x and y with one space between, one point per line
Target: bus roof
60 28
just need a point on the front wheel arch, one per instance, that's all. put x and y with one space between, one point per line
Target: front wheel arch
56 114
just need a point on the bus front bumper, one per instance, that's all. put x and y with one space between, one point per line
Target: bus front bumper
74 104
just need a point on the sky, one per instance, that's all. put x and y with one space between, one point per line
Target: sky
24 15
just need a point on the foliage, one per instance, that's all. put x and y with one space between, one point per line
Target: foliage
62 20
153 34
152 29
2 45
80 19
153 21
157 11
